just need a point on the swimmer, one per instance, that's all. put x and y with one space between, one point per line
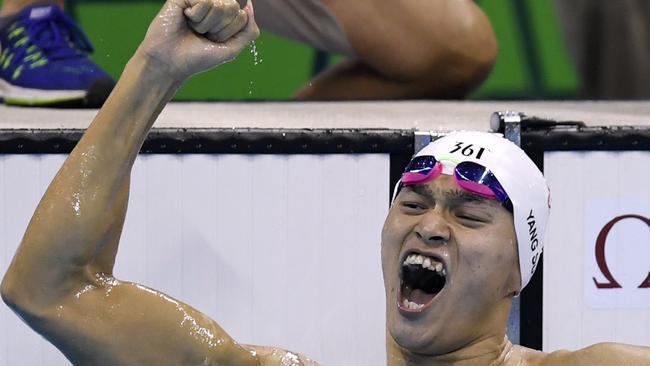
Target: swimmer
461 239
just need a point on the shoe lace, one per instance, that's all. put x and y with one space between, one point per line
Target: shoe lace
57 37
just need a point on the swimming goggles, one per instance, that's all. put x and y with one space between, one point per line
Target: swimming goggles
470 176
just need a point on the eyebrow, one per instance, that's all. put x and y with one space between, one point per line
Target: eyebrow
453 197
422 190
458 197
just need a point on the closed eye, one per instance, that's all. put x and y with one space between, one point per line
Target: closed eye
471 219
412 207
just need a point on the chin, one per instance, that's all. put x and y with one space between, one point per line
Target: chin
415 336
412 343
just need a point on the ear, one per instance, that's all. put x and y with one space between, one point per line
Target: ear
512 286
513 283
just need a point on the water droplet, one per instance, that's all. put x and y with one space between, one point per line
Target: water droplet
256 56
250 88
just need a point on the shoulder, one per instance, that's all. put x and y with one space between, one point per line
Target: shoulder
604 354
272 356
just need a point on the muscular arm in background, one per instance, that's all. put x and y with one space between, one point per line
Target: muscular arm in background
408 50
61 279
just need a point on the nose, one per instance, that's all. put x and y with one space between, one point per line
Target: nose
433 229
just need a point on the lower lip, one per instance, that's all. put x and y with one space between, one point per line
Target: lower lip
406 311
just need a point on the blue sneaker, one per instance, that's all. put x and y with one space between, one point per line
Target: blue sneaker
44 62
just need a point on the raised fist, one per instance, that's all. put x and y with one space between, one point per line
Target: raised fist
191 36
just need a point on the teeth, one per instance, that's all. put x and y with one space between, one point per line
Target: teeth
425 262
411 305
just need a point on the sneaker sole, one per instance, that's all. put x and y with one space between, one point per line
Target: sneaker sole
15 95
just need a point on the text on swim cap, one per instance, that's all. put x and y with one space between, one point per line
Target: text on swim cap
468 149
534 242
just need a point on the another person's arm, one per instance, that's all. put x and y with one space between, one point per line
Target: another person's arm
408 50
61 279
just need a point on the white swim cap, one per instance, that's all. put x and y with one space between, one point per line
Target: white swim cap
519 177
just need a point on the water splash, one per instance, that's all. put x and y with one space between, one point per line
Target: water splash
76 204
257 59
290 359
84 290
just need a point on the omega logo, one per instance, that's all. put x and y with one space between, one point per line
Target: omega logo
610 282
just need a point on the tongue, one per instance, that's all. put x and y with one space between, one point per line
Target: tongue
420 297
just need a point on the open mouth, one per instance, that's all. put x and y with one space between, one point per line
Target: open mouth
422 279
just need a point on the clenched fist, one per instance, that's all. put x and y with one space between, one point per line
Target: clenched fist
191 36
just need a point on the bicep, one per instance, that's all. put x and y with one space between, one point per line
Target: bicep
114 322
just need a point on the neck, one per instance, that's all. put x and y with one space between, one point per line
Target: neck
494 351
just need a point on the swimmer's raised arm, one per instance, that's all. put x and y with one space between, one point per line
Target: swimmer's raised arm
61 278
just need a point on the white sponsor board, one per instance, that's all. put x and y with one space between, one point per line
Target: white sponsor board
597 257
